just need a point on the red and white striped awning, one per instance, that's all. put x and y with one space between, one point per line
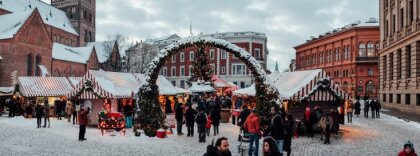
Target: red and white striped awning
31 86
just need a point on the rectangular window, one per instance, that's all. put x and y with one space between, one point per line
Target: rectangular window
211 54
398 98
393 24
223 54
384 68
386 29
165 70
236 83
223 70
182 71
391 98
257 53
242 84
173 83
391 66
410 12
190 71
182 57
359 89
418 99
191 55
173 72
399 74
407 99
408 61
383 97
238 69
212 68
173 58
401 18
182 83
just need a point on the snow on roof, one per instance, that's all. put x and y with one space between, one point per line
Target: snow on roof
218 82
101 50
7 89
31 86
11 23
75 80
165 87
250 91
50 15
72 54
200 88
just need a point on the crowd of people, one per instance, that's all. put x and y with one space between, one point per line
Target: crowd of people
355 107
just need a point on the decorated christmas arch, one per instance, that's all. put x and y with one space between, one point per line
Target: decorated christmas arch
150 115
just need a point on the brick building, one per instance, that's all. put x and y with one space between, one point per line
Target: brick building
347 54
400 55
82 16
178 68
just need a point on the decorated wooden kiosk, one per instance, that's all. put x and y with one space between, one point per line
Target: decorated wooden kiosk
151 116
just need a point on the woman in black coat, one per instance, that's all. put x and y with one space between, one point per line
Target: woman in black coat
288 134
168 106
215 117
357 108
39 111
190 119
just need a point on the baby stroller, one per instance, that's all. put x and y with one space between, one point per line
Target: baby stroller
243 146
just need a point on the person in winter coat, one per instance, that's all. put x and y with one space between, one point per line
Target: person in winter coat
12 107
57 105
288 134
357 108
238 103
201 120
378 108
69 110
408 150
229 102
208 125
74 112
366 108
349 111
244 114
277 128
336 120
128 111
168 107
221 148
270 147
83 121
179 116
190 119
215 116
308 122
373 108
46 114
38 114
252 126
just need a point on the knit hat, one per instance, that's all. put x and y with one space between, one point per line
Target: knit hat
308 109
409 144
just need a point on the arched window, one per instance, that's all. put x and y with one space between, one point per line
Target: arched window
370 87
362 50
29 65
371 50
37 63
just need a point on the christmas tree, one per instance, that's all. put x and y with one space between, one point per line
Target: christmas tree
201 67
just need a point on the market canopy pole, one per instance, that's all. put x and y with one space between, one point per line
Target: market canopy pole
151 117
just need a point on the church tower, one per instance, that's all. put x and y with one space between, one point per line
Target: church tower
82 15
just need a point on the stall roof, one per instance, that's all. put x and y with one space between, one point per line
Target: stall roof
75 80
165 87
6 91
31 86
200 88
220 83
298 85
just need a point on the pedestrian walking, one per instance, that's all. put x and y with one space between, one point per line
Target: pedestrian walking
12 107
288 134
252 126
57 105
277 128
83 121
74 112
46 114
336 120
69 110
270 147
408 150
366 109
308 122
190 115
128 111
238 103
243 115
38 114
215 117
201 121
373 108
357 108
168 105
349 111
378 108
179 116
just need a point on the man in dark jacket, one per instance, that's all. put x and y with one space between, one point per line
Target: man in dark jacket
179 116
244 114
276 128
221 149
373 108
378 107
168 106
190 119
39 111
12 107
366 109
215 117
201 121
83 121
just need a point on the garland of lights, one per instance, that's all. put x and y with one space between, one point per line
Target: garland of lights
151 117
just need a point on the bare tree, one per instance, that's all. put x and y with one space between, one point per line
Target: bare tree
122 44
140 56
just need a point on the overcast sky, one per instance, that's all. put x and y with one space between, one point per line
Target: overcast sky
286 23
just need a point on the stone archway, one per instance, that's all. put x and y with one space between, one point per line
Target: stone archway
151 116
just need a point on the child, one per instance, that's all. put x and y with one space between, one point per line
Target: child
208 125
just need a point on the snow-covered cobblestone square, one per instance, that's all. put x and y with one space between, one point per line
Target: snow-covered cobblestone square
19 136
